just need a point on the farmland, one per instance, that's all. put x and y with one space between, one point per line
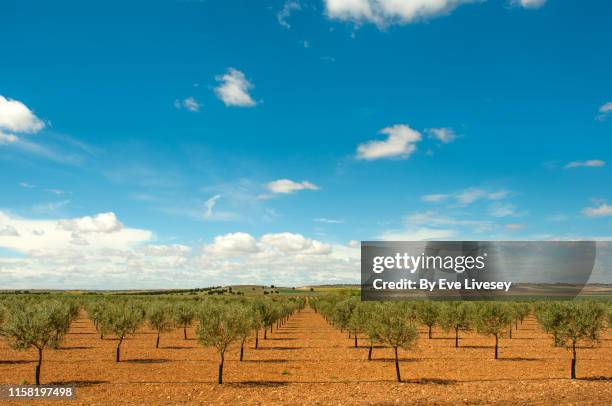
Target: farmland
308 357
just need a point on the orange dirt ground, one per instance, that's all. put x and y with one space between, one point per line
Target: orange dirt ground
309 362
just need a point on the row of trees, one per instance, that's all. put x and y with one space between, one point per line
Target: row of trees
394 324
43 324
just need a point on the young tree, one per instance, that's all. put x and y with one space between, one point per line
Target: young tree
123 319
427 313
37 325
576 322
184 314
251 322
394 329
343 312
95 311
494 319
360 318
159 316
221 325
456 316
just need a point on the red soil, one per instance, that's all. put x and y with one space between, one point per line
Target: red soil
307 361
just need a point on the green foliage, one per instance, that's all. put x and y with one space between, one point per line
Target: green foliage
221 325
572 322
457 316
38 325
428 313
494 319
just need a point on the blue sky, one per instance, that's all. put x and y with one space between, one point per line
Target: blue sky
220 141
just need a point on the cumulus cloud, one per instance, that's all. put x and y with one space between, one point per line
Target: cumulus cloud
7 138
386 12
289 7
234 88
17 117
54 237
294 243
8 231
189 103
101 223
400 143
417 234
444 135
233 243
601 210
287 186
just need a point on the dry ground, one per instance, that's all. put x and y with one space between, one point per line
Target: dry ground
309 362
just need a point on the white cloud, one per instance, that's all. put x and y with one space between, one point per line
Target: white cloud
101 223
471 195
400 143
592 163
327 221
515 227
602 210
210 204
27 185
56 237
16 116
530 3
502 210
435 197
7 138
285 12
604 111
435 219
233 89
189 103
444 135
286 186
294 243
233 243
386 12
8 231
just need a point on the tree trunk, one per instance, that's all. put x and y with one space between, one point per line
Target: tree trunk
370 352
185 332
157 342
355 340
265 333
496 345
220 378
516 323
242 350
574 359
349 333
397 369
430 332
38 366
271 328
257 338
456 337
118 352
510 333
